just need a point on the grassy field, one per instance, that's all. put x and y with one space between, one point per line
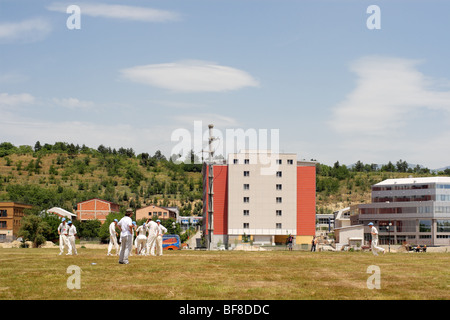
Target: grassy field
41 274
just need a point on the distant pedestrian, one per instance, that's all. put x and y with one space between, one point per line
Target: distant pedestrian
374 244
113 238
289 242
159 238
313 244
71 237
63 230
125 226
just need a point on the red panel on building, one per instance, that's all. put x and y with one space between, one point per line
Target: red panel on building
220 199
306 200
220 217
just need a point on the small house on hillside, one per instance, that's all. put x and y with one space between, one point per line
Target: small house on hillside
151 211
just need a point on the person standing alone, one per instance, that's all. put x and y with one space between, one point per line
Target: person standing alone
113 238
374 244
125 226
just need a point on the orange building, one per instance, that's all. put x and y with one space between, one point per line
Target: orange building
263 202
11 214
95 209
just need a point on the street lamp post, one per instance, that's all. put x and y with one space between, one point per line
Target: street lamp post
389 236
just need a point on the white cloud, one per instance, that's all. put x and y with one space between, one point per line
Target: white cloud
73 103
394 112
30 30
119 12
388 92
190 76
12 101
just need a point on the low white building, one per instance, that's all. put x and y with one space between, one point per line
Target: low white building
352 236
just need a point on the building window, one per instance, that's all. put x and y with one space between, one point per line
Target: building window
246 199
246 225
2 224
279 174
279 199
3 213
425 236
425 226
279 213
235 161
278 226
246 212
279 161
246 173
246 161
279 187
246 186
290 161
443 226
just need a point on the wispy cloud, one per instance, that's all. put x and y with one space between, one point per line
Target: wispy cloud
13 101
73 103
190 76
388 92
30 30
394 112
123 12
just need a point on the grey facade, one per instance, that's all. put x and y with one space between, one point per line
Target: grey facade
411 210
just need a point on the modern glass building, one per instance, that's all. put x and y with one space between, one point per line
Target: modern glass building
411 210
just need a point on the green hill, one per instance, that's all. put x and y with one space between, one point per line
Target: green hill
64 174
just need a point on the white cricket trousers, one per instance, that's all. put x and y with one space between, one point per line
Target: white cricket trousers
72 247
159 248
376 248
113 243
125 248
141 243
64 242
151 241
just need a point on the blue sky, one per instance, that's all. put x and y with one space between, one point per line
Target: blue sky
137 71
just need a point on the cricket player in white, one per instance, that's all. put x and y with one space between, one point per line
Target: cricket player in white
63 229
152 228
141 239
113 238
375 247
126 236
159 242
71 236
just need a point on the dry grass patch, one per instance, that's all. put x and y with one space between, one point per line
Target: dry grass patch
191 275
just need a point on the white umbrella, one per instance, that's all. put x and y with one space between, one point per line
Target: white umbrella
61 212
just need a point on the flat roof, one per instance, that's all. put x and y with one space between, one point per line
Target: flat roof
414 180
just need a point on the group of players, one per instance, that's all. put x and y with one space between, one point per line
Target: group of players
148 239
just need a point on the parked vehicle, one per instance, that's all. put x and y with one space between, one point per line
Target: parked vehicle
171 242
